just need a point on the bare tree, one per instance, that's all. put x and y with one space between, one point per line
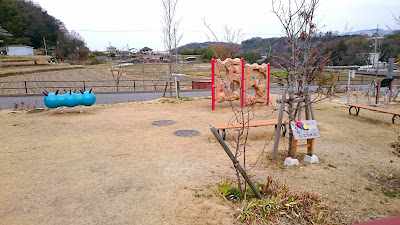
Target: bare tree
226 49
228 46
305 64
170 23
116 70
396 19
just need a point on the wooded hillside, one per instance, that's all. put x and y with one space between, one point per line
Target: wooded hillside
346 50
29 24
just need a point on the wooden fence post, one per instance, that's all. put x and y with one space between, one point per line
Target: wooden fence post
378 92
278 126
390 91
26 88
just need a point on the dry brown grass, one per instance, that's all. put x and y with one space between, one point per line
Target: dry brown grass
38 58
23 63
7 71
111 165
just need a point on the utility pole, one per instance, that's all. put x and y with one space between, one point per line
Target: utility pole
376 45
176 53
45 48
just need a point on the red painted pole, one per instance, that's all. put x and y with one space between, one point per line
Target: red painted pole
242 91
212 84
269 69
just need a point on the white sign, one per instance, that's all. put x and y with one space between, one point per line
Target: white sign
178 75
352 74
305 129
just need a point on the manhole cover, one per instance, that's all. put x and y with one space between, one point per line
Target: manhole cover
163 122
186 133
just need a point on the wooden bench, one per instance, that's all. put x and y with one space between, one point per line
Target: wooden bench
252 123
376 109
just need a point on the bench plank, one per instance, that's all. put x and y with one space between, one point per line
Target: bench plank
393 112
252 123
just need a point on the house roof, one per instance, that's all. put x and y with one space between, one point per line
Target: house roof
4 32
25 46
146 49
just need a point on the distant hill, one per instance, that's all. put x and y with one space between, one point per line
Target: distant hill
257 44
372 31
345 50
29 24
196 45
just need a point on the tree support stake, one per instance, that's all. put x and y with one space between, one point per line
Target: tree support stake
236 164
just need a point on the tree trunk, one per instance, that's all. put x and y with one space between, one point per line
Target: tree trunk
291 93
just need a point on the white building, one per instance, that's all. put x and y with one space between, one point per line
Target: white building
17 50
162 53
111 49
133 50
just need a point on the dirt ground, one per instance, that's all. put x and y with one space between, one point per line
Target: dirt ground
110 165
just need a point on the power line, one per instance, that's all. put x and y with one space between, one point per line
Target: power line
116 31
156 30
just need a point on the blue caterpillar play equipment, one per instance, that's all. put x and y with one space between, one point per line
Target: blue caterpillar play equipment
69 99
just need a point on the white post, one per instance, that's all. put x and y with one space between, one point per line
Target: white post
176 54
45 47
348 89
176 88
387 98
358 87
369 95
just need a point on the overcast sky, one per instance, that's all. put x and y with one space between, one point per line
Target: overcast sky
137 23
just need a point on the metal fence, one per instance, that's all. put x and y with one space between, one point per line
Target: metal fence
37 87
131 85
135 85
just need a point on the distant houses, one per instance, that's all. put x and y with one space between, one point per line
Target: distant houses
17 50
146 50
133 51
5 33
134 55
161 53
14 50
111 49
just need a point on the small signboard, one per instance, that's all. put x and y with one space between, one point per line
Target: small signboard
305 129
352 74
178 75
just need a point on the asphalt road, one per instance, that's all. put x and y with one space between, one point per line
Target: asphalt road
7 102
